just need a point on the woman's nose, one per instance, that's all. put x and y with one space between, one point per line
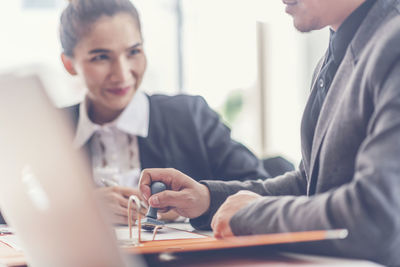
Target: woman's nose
121 71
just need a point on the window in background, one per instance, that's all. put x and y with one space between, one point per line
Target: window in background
222 55
160 41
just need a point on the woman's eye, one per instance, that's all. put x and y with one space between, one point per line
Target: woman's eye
99 58
134 52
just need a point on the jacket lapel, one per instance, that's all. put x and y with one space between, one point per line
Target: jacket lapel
306 147
328 110
372 22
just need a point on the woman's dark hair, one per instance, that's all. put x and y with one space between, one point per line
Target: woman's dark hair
80 14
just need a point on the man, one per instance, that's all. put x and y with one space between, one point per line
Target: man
349 176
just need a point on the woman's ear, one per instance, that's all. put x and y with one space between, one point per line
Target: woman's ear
68 65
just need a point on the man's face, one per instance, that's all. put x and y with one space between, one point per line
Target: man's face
309 15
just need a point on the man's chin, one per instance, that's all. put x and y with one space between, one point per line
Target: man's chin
304 27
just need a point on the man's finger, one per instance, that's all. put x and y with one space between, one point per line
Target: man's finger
145 191
149 176
145 183
164 210
227 231
168 198
214 222
218 227
216 217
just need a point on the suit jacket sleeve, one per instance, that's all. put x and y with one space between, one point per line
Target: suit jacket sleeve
368 206
291 183
229 159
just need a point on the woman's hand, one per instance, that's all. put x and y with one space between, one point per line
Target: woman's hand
116 200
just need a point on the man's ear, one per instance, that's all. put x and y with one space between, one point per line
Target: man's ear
68 65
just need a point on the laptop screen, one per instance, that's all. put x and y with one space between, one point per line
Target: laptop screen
46 193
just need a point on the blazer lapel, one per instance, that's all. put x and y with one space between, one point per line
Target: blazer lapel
369 26
306 147
328 109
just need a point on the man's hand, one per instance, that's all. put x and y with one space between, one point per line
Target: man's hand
184 195
116 200
169 216
221 219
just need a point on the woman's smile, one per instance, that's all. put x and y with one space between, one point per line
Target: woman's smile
119 91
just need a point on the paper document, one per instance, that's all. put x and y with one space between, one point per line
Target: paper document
122 233
12 241
162 234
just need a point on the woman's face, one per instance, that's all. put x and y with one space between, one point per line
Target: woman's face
110 59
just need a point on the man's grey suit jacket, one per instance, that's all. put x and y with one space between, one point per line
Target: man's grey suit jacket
350 176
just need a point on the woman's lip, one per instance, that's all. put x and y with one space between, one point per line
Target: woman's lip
120 91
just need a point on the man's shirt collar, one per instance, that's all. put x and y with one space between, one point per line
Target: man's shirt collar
340 40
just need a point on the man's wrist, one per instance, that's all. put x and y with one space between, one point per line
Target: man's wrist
206 197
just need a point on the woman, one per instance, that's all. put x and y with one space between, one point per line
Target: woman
123 129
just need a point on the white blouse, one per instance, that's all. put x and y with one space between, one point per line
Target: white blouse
114 146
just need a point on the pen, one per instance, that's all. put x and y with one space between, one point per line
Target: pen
110 183
5 230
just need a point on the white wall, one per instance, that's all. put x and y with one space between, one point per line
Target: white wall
221 56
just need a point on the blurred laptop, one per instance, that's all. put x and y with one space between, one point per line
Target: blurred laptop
46 194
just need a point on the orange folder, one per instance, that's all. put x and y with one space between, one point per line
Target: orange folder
12 258
211 243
